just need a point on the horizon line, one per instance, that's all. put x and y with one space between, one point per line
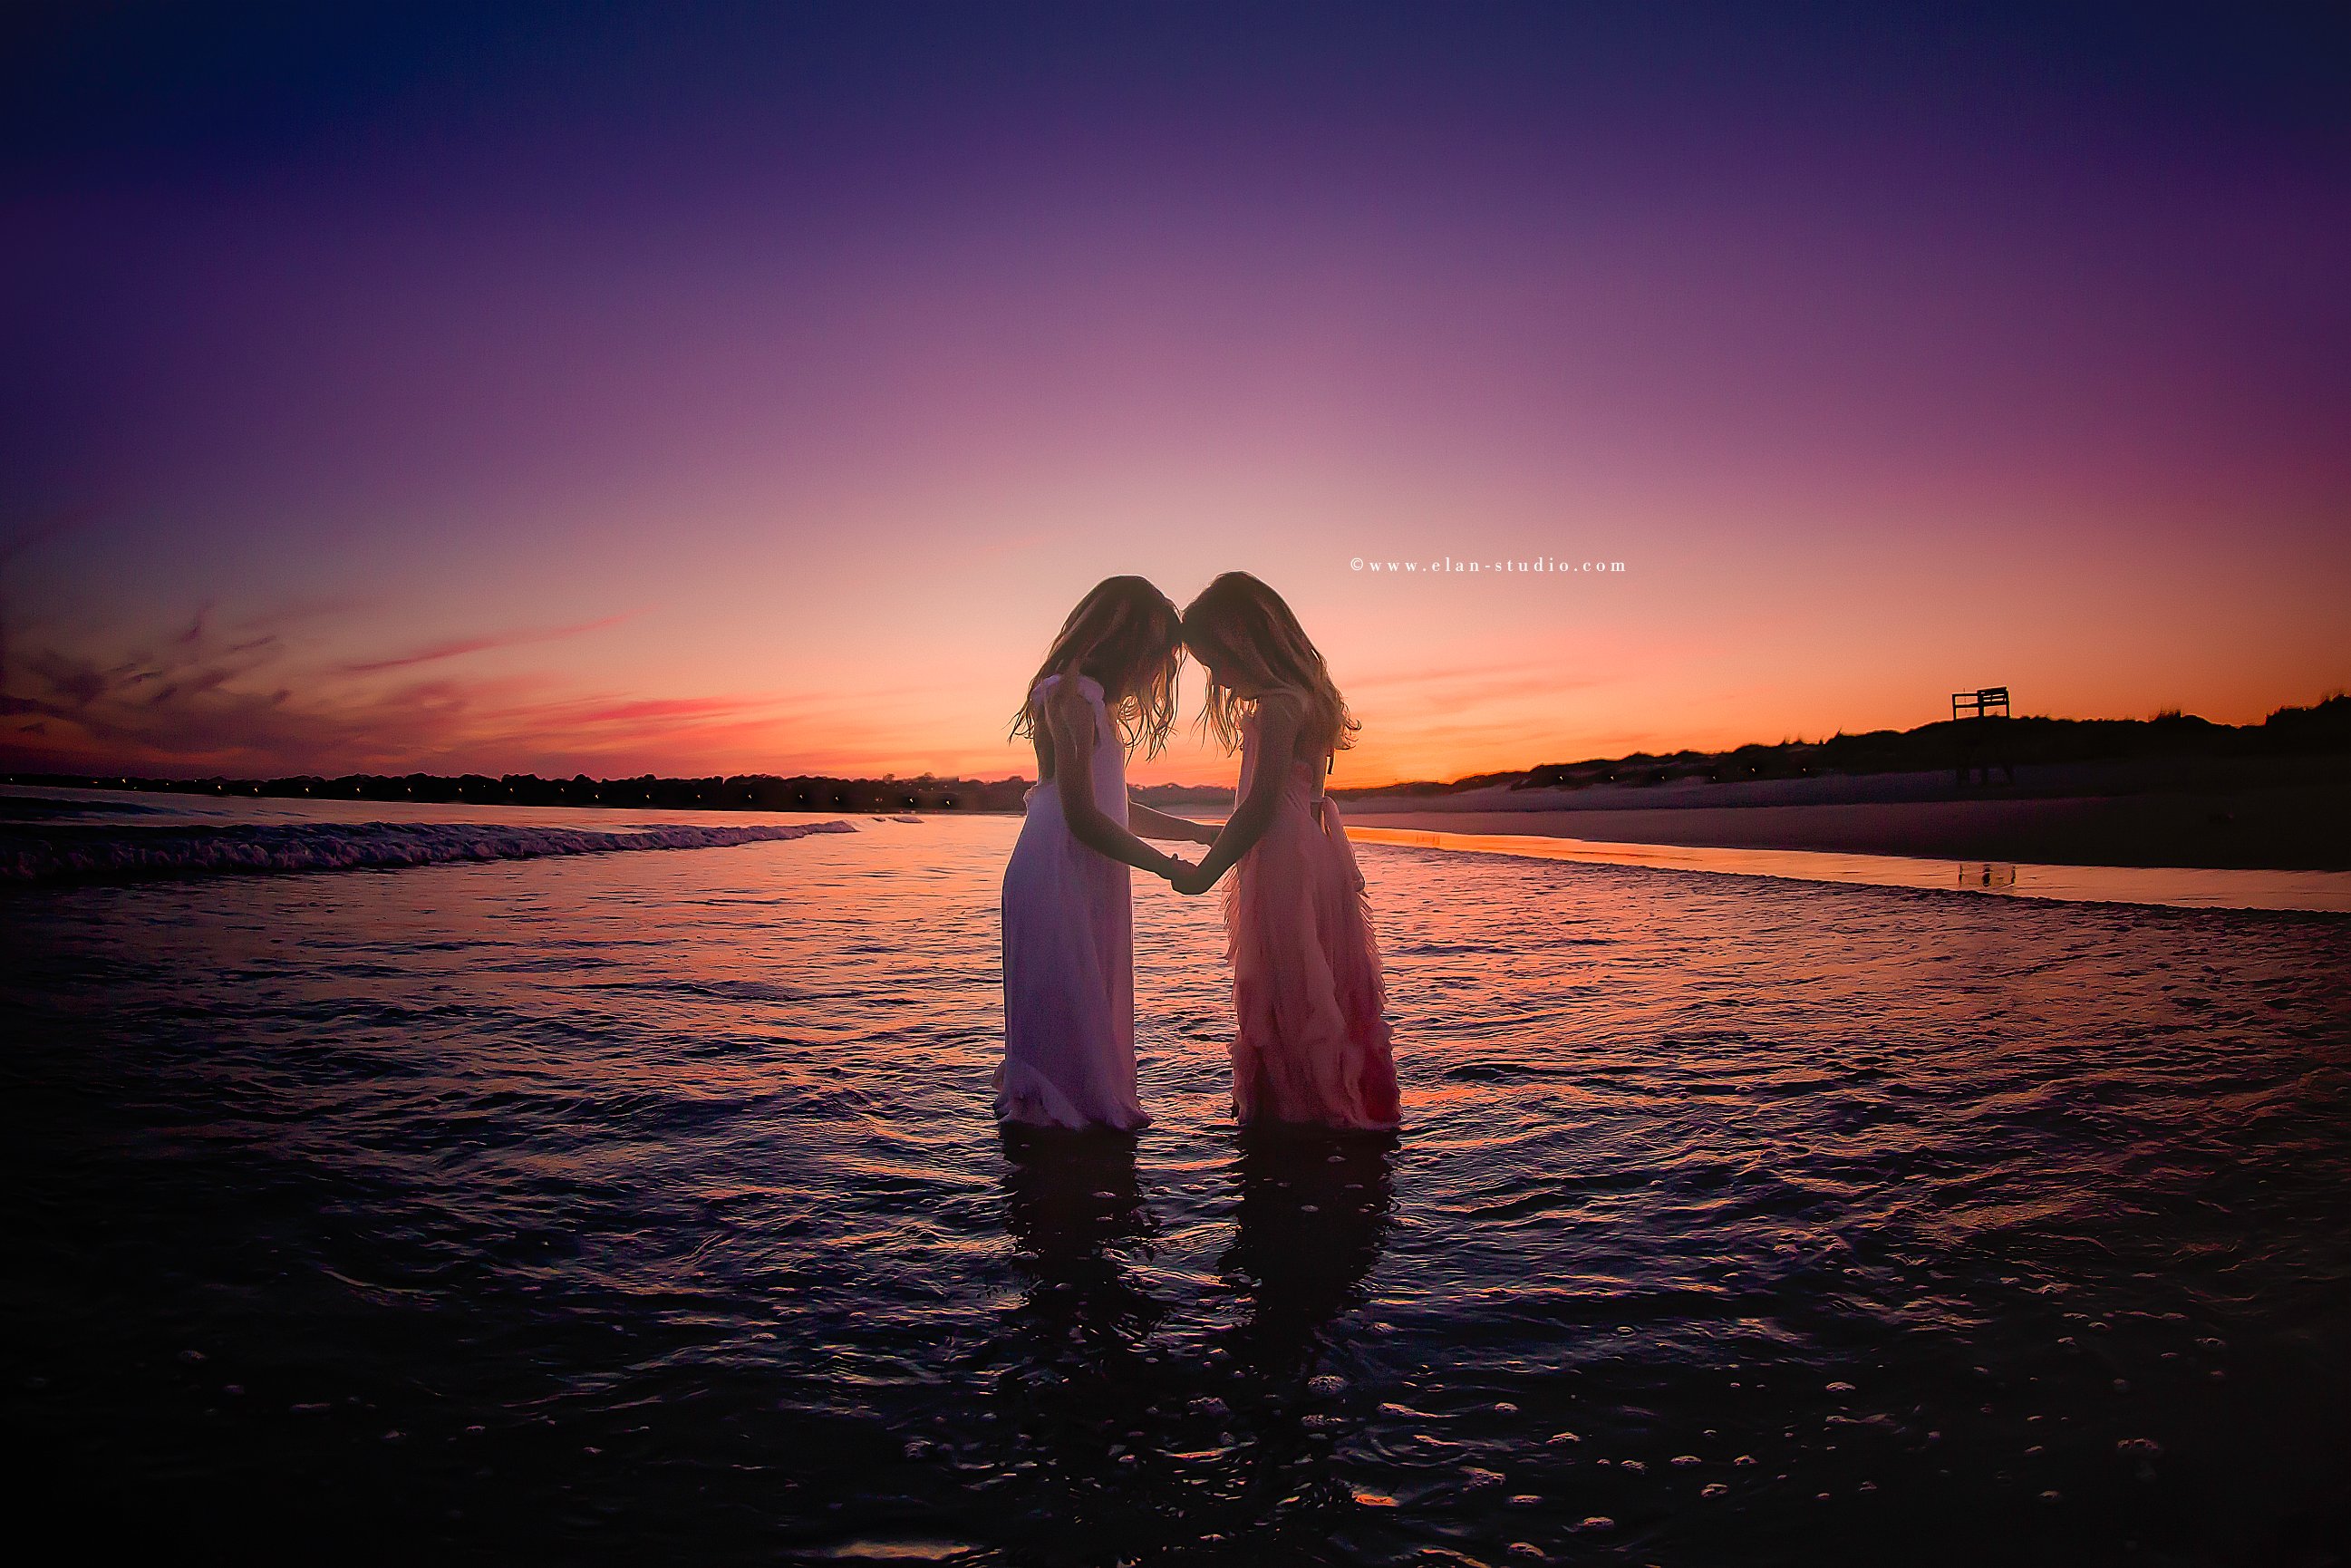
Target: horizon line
30 777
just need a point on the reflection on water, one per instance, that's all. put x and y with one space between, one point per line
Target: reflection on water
1311 1216
1205 1427
2184 887
1079 1226
650 1207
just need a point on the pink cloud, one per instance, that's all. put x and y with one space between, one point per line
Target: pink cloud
459 647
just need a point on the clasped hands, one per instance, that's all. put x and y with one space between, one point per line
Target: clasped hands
1185 878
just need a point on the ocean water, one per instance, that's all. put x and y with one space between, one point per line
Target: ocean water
2178 887
648 1205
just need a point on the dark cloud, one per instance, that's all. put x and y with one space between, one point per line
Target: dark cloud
76 682
200 706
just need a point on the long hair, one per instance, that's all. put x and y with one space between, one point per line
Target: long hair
1126 635
1246 623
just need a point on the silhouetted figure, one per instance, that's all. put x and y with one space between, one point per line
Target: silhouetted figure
1107 685
1310 1044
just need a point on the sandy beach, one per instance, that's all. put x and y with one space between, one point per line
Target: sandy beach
2286 814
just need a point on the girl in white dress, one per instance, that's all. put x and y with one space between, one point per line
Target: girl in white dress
1107 686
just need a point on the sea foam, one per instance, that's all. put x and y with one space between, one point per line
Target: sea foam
117 853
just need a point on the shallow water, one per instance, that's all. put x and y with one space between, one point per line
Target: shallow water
649 1203
2180 887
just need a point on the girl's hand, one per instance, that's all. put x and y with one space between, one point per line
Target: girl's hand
1190 882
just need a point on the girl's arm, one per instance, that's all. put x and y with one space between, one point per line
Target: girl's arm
1278 715
1072 724
1160 825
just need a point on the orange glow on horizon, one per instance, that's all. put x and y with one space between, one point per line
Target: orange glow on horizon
589 404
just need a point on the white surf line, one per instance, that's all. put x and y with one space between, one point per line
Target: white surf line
2177 887
197 849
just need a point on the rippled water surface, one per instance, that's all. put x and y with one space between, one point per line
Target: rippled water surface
649 1203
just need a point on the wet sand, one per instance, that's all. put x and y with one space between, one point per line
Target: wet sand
2246 816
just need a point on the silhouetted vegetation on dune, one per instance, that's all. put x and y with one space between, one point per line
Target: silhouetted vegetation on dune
1430 786
2324 728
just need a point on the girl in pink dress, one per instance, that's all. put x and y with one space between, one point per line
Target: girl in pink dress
1107 685
1312 1047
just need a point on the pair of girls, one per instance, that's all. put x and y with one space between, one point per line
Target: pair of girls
1309 1045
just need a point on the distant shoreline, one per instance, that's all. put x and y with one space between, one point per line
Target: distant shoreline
2166 744
742 792
2274 814
2173 791
2267 814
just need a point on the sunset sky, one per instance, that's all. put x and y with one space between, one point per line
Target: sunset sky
693 389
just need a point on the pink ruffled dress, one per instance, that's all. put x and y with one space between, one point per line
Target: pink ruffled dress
1311 1047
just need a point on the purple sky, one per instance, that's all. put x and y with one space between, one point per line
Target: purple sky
754 387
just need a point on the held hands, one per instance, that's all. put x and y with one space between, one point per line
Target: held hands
1186 879
1184 875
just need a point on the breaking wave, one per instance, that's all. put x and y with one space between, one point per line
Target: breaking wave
116 853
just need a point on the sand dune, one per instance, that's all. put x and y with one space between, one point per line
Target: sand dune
2291 816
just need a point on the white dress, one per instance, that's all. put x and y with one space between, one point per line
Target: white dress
1069 957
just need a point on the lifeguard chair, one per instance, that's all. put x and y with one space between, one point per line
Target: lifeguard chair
1978 723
